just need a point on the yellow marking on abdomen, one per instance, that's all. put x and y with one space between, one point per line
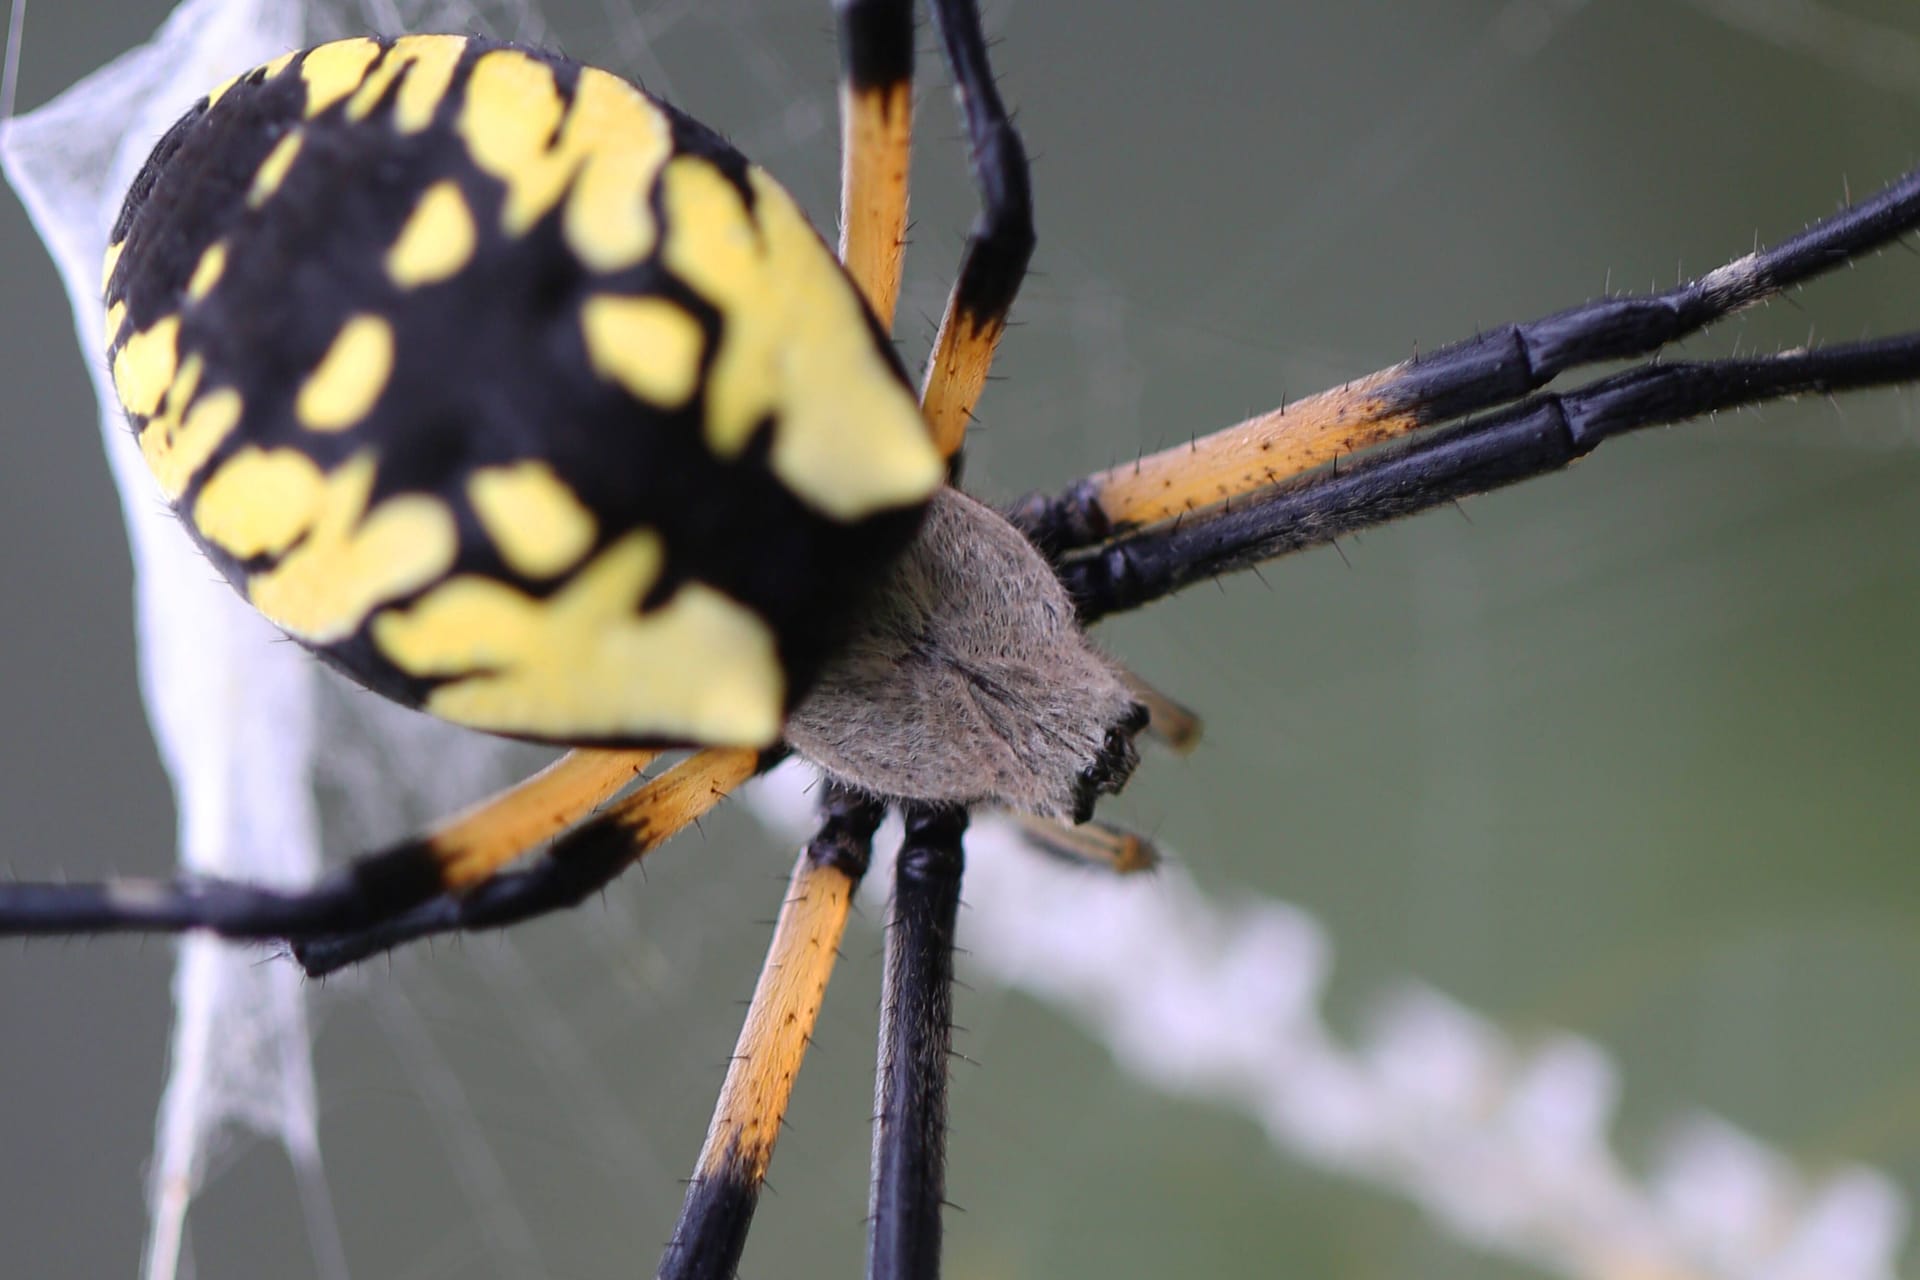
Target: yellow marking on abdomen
585 662
144 366
273 170
332 71
207 271
116 317
648 345
425 66
608 149
537 523
352 559
108 263
260 501
509 116
350 376
795 343
374 84
178 441
432 61
437 240
623 140
219 91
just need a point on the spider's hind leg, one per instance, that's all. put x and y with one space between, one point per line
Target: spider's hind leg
449 879
457 855
712 1231
916 1039
580 863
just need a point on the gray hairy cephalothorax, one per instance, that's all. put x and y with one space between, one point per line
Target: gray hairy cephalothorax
969 680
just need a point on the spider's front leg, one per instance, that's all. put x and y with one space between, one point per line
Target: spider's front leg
1247 461
1540 434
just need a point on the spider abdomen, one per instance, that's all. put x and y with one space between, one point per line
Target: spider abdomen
512 392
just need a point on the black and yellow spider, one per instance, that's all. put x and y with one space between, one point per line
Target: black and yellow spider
389 636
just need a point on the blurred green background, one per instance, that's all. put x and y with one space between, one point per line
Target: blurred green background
1628 753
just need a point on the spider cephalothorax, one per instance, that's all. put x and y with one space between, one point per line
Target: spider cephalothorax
968 680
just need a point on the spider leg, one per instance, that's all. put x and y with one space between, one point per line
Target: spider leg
472 845
712 1231
998 245
916 1035
876 137
1172 723
1492 368
579 864
460 853
1090 844
1540 434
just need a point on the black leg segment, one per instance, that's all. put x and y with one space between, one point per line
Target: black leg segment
580 864
352 897
1538 435
1002 239
916 1035
999 243
1489 369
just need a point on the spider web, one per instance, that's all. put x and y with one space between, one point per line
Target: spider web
1504 1139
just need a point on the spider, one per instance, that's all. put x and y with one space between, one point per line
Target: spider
1125 570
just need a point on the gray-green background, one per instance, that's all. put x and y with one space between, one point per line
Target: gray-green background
1629 752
